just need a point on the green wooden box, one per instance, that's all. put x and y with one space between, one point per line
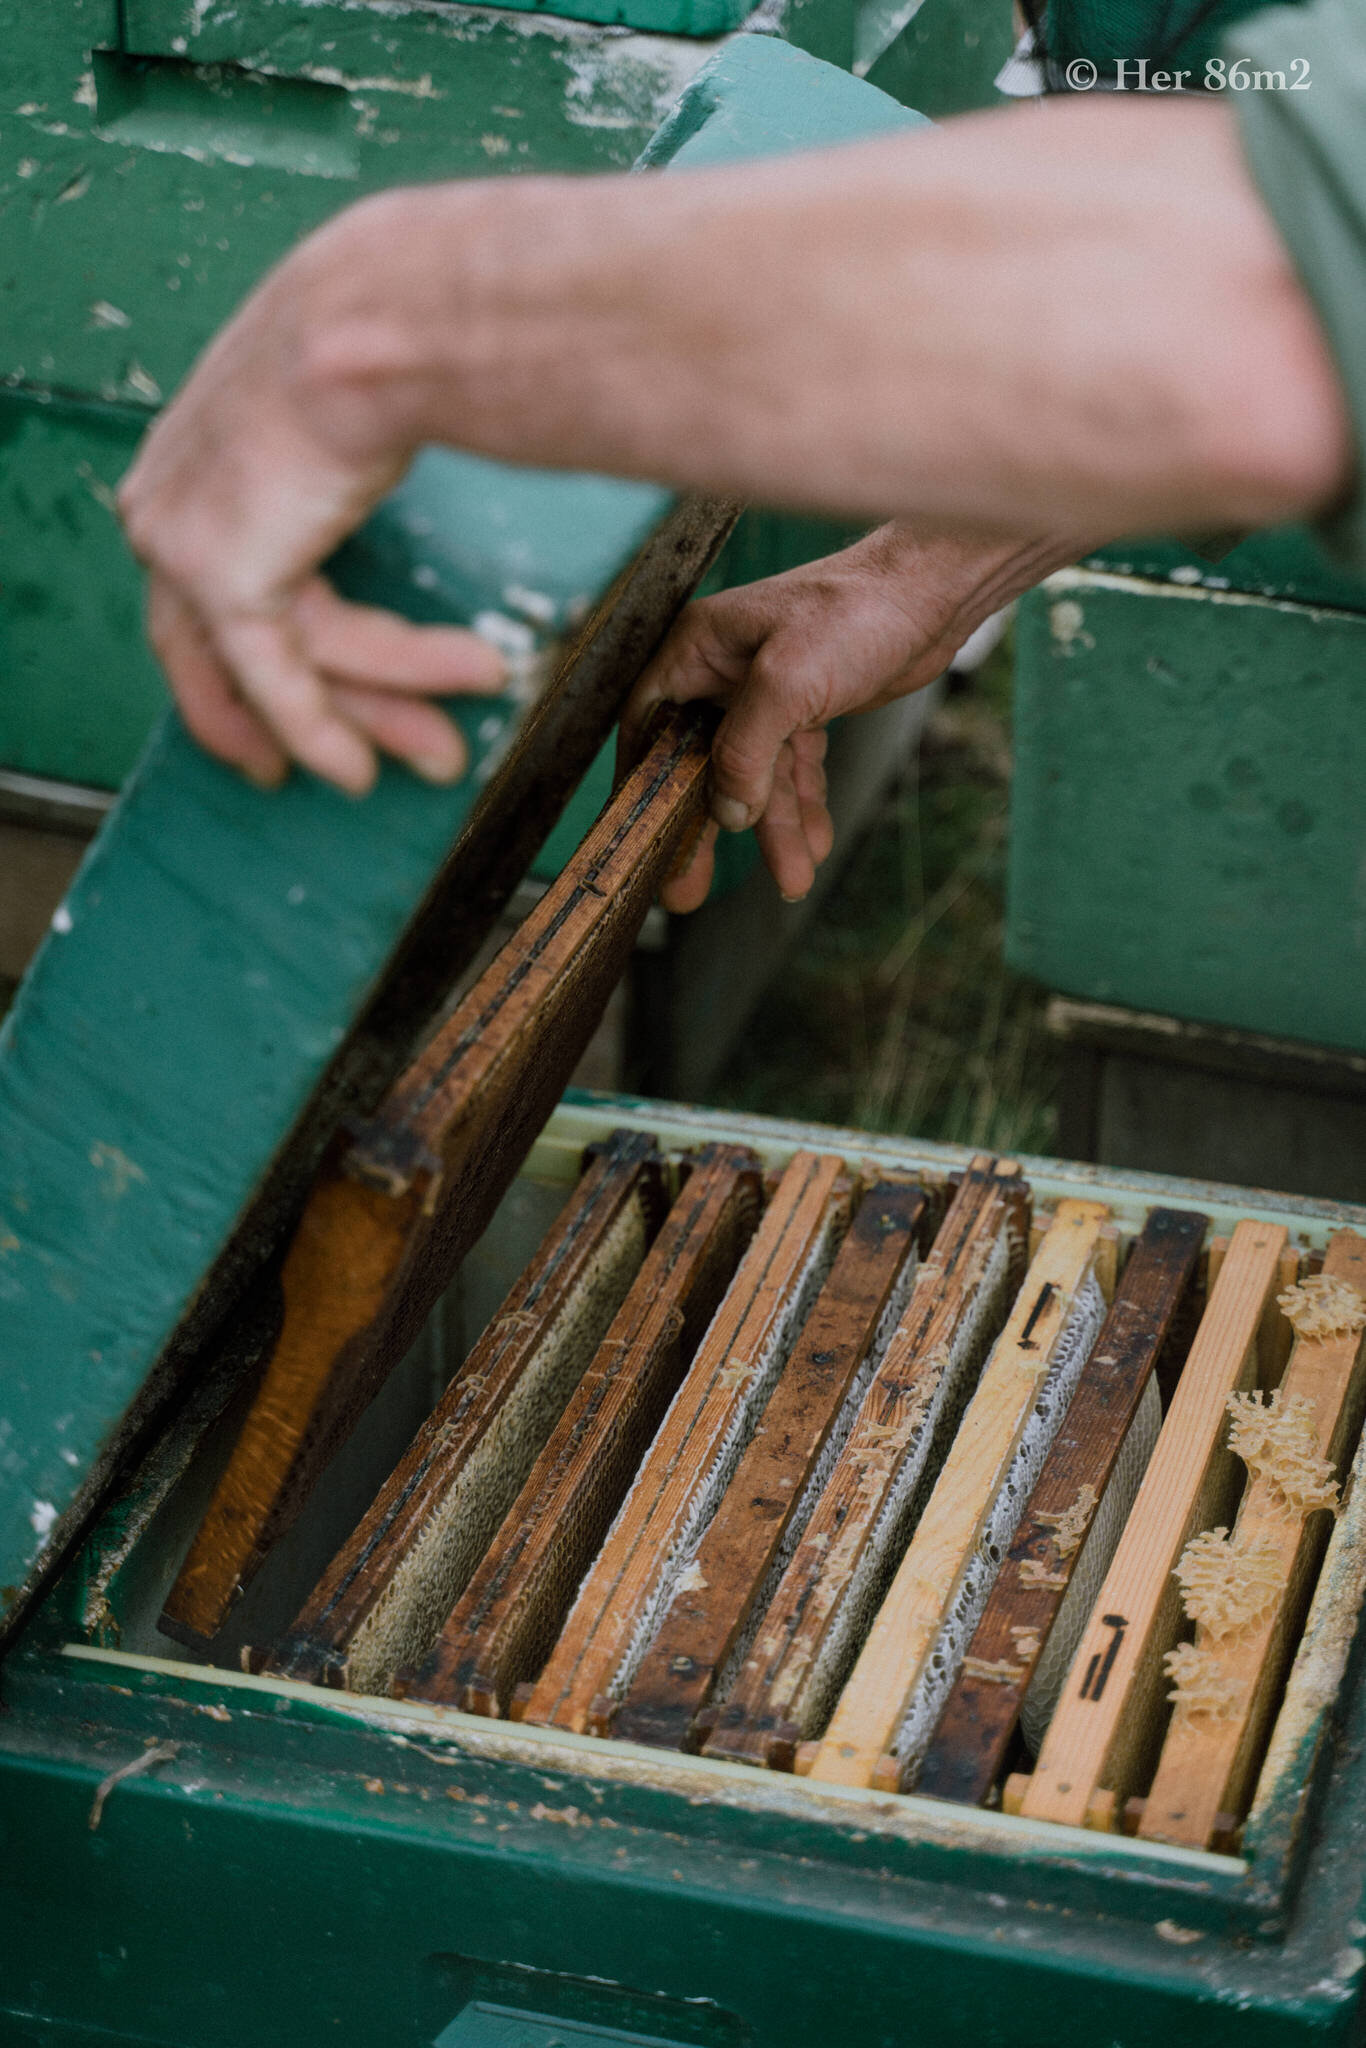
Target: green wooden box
297 1868
1186 830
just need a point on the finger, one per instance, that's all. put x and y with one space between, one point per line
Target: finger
409 728
277 680
782 838
696 660
745 751
360 643
689 886
203 690
808 778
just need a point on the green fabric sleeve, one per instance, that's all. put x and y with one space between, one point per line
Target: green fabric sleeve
1307 151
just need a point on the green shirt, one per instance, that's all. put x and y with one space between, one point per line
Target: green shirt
1307 151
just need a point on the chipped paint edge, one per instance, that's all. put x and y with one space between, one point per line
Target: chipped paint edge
1063 580
702 1781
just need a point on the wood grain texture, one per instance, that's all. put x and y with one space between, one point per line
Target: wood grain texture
812 1629
405 1197
739 1559
970 1741
868 1720
653 1541
1107 1727
1210 1757
415 1549
505 1623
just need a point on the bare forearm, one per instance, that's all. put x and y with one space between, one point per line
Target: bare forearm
1072 318
1071 321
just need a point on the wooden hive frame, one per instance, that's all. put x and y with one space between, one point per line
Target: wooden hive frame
505 1622
1248 1591
386 1592
1063 1516
707 1628
836 1577
1105 1731
888 1707
652 1544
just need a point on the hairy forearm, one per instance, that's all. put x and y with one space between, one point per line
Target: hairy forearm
1073 319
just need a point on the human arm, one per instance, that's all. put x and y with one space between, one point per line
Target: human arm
1068 318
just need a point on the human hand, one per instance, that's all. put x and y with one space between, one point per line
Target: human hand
241 489
788 654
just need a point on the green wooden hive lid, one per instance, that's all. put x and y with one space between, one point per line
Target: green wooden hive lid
219 945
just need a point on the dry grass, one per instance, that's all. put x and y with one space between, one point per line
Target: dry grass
899 1014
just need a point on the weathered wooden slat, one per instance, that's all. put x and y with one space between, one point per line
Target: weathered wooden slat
840 1570
505 1623
394 1211
764 1510
904 1671
969 1744
1107 1727
1249 1592
654 1539
385 1595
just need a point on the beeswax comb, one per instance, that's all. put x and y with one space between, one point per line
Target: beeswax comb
1248 1590
384 1596
921 1630
1064 1514
1107 1726
708 1627
652 1544
403 1198
505 1622
813 1628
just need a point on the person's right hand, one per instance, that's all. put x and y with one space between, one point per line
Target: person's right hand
788 654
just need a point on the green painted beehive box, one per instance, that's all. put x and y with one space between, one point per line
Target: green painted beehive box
296 1867
1186 830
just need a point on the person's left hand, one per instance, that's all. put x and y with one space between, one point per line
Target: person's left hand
788 654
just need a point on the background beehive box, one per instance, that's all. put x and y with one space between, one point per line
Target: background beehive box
387 1868
1185 812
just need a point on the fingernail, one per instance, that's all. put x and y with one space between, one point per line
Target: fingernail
730 814
439 767
800 897
339 755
